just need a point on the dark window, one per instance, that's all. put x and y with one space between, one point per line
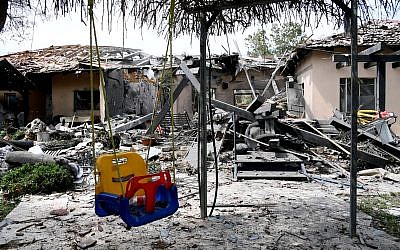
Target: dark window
243 98
367 94
82 100
10 101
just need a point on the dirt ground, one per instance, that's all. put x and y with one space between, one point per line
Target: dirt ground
269 214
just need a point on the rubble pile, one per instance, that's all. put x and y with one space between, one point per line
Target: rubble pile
272 146
275 146
263 141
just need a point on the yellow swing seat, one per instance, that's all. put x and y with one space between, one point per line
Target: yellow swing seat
119 182
129 164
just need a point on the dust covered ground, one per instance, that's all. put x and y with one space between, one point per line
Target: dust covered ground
269 214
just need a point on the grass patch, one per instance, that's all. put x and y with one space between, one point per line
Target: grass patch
35 179
32 179
6 207
377 208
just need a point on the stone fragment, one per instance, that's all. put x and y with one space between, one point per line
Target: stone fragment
86 243
59 212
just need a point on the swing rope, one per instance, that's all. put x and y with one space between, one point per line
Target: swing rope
171 98
168 54
90 7
103 90
157 103
93 34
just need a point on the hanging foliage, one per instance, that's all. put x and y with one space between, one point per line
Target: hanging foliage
232 14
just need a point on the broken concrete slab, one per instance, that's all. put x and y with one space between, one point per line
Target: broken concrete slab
381 173
18 144
22 157
17 158
86 242
134 123
37 207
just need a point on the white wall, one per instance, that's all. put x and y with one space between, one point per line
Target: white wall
321 82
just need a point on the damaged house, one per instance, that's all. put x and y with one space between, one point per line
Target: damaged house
233 80
55 82
14 87
238 81
321 71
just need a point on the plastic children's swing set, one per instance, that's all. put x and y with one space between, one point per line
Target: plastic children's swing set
123 185
155 195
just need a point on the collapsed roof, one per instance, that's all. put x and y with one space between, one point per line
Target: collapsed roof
12 78
75 57
371 33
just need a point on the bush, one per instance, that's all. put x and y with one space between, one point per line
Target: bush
6 207
34 179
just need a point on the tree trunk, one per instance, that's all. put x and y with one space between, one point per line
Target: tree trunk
3 13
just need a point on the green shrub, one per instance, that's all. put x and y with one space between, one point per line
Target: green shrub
34 179
6 207
18 135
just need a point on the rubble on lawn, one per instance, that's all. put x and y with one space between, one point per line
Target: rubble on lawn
263 141
272 144
71 146
315 143
281 220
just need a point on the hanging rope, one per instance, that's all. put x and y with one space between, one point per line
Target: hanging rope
168 54
102 86
157 103
103 90
90 6
171 98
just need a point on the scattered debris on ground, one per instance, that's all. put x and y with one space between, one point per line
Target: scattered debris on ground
275 170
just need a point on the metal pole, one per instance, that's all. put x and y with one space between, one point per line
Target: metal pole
381 85
203 118
354 109
234 147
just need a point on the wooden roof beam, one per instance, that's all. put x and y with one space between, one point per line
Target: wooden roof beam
372 50
340 65
367 58
396 64
379 47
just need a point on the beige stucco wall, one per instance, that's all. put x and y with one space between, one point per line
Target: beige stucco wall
322 85
304 77
393 94
64 85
